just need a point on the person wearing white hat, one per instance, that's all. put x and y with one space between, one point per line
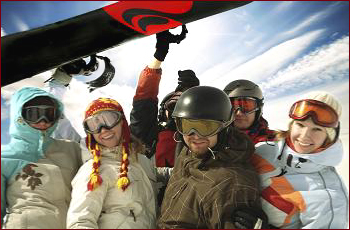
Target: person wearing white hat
300 185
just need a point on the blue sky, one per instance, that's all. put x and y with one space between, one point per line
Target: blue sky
288 48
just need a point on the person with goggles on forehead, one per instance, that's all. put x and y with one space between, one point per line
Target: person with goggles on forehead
36 169
212 178
300 185
248 101
112 190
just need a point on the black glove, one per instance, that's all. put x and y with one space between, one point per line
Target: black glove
187 79
164 39
74 67
250 218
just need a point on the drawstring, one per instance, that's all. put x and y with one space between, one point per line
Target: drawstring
212 153
174 137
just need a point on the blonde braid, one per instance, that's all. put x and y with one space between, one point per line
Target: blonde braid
123 181
95 177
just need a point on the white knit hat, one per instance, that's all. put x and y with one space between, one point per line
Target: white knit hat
328 99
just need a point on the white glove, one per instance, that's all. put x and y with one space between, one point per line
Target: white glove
61 77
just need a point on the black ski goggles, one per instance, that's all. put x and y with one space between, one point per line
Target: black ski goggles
203 128
247 105
34 114
104 119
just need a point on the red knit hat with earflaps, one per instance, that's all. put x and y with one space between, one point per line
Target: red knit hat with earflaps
103 104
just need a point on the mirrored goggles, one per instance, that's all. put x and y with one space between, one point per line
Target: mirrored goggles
34 114
247 105
321 113
104 119
204 128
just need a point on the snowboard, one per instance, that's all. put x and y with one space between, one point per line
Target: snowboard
31 52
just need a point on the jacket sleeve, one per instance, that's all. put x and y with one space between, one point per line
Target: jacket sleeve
143 116
223 199
330 212
85 206
64 129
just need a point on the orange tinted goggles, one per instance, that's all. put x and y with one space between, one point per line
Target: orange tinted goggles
321 113
245 104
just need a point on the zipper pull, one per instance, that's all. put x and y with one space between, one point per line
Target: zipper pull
133 214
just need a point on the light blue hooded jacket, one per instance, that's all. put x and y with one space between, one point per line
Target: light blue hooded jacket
27 144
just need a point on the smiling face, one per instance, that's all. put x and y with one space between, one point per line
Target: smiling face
199 145
306 136
110 138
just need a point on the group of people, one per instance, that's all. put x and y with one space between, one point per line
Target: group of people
205 159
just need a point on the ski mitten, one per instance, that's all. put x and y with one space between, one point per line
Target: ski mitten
187 79
164 39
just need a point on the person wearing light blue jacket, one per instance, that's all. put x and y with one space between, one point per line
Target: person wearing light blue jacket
36 170
299 183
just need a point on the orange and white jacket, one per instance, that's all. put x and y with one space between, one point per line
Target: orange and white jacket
302 190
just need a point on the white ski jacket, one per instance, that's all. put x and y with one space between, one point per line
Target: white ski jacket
302 190
39 196
108 207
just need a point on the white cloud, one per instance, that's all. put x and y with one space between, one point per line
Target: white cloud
265 65
21 25
35 81
109 3
306 23
324 65
3 33
312 19
282 6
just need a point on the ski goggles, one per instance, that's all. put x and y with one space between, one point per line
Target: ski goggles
321 113
170 104
34 114
204 128
247 105
104 119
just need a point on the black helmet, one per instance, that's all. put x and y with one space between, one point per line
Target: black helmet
161 113
245 88
204 102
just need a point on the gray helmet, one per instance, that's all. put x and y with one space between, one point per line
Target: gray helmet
243 88
204 102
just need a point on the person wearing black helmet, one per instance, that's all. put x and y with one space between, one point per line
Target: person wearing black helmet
156 128
212 178
247 100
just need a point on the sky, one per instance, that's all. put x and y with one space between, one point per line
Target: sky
288 48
